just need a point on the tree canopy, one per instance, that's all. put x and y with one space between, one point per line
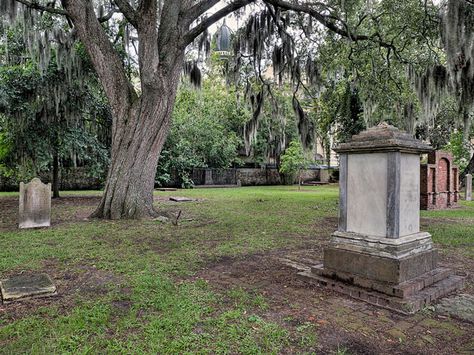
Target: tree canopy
387 51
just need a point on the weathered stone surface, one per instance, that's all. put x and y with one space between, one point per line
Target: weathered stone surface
460 306
180 199
26 286
383 269
367 194
406 305
383 138
382 247
409 216
468 187
401 290
380 188
35 204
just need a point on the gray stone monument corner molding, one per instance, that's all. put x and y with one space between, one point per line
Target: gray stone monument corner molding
35 204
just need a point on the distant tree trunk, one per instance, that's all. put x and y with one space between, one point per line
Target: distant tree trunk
466 137
55 174
467 120
468 170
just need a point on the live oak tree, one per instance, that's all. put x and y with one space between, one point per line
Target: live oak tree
46 120
164 29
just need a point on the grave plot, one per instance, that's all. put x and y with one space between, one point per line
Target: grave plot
25 286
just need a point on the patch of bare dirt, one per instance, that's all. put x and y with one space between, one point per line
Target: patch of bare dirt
427 221
340 322
72 282
64 210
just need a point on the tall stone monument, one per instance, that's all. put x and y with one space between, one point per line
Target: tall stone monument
468 187
35 204
378 254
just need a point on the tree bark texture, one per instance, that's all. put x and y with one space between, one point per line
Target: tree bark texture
55 174
141 123
135 151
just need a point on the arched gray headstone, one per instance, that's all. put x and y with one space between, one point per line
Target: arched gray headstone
35 204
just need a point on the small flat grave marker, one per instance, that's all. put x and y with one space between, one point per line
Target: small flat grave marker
26 286
180 199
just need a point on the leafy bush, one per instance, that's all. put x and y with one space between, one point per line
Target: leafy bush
292 162
203 132
459 148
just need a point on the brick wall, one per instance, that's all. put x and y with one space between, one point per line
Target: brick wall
439 182
70 179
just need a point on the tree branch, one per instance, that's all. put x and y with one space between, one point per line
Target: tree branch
107 63
36 6
107 16
200 8
56 11
201 27
327 22
128 11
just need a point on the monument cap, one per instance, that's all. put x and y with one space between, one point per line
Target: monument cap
383 137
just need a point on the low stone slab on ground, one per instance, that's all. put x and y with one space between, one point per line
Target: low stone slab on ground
26 286
162 219
216 186
166 189
314 183
459 306
180 199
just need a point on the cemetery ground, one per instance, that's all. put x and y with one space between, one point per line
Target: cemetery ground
214 282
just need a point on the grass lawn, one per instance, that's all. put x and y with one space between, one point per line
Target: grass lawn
213 283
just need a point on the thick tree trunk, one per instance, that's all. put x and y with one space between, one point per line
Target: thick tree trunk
136 148
141 120
55 174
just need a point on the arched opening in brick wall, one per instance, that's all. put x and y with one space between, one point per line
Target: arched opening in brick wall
443 175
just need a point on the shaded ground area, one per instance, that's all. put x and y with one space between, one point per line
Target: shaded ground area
67 209
339 321
64 210
72 282
213 283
